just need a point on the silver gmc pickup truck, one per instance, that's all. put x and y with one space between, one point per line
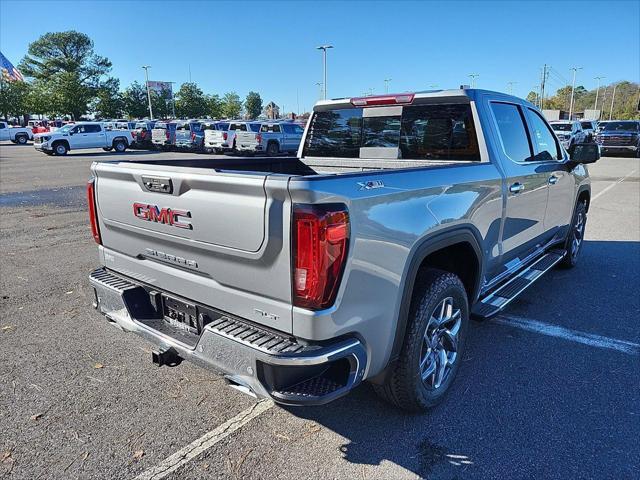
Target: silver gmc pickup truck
363 258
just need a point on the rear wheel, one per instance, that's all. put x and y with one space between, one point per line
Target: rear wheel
119 146
272 149
21 139
433 345
60 149
574 241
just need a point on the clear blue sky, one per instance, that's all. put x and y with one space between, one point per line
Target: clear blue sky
270 46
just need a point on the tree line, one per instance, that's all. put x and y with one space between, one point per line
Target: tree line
626 102
66 78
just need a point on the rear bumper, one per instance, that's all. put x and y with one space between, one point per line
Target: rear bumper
254 360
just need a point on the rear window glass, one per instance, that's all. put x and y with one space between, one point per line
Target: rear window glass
621 127
161 125
238 126
587 125
273 128
420 132
255 127
183 127
561 127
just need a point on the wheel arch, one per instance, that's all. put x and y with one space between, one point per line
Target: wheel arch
61 140
430 252
584 195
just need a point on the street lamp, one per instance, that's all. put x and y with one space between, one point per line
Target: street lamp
595 104
146 75
473 77
386 84
573 87
324 49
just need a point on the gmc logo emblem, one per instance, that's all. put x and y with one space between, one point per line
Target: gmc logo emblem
168 216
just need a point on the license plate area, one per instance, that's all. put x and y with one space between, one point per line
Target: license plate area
182 315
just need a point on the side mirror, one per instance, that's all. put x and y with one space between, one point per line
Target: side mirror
584 153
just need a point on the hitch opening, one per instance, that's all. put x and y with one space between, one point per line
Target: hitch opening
167 356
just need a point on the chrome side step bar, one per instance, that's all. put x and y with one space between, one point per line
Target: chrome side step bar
497 300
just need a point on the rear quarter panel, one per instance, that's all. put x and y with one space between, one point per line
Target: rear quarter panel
387 226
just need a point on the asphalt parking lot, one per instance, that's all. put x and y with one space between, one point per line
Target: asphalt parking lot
550 389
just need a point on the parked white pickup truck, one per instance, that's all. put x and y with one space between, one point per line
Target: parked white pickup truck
80 136
16 134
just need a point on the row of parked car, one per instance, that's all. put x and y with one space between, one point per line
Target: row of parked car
613 136
219 136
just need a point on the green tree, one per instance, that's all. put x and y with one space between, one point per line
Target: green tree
162 103
532 97
14 98
135 103
191 102
67 60
215 107
41 99
232 105
109 102
253 105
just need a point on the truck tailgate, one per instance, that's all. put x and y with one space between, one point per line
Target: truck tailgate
217 238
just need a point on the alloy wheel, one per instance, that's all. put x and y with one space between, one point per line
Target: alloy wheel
577 234
440 344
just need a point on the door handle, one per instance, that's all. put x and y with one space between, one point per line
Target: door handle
516 187
553 180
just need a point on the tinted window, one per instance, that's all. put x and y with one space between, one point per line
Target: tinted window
91 128
587 125
429 132
561 127
2 125
621 127
439 132
270 128
546 145
287 128
297 129
255 127
512 131
381 131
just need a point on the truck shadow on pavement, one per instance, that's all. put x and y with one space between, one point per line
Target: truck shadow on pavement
523 404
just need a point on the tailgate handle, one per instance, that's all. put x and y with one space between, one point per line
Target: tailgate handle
157 184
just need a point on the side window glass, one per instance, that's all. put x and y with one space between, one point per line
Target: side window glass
2 125
276 128
287 128
545 142
512 131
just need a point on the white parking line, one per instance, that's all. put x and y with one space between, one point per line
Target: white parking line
205 442
584 338
620 180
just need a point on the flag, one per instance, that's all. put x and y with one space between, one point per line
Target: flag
9 72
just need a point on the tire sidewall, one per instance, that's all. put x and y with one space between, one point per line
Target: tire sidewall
119 146
21 140
419 316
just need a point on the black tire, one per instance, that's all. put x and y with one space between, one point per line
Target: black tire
404 386
272 149
107 149
60 148
120 146
22 139
576 234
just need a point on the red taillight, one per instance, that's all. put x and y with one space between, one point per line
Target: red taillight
259 138
399 99
224 135
167 133
93 219
320 241
193 137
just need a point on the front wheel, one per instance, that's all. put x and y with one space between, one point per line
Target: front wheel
433 345
574 241
60 149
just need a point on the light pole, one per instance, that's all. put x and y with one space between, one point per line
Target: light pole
386 84
510 87
319 85
595 104
146 75
324 49
473 77
613 97
573 87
